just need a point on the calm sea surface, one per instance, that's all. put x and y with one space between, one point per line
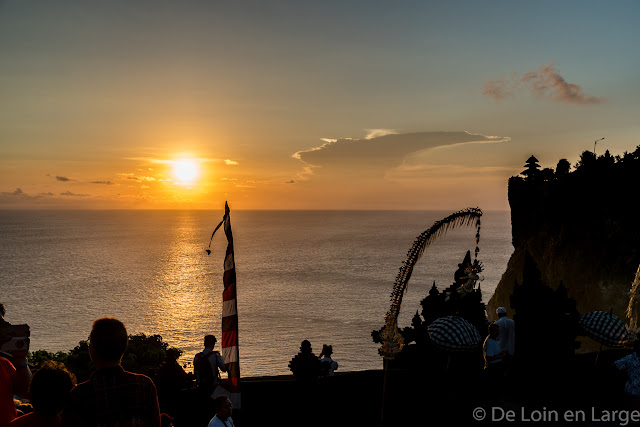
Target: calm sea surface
325 276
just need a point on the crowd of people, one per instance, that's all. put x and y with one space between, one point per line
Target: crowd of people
111 396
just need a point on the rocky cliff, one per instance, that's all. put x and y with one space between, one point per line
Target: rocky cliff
581 228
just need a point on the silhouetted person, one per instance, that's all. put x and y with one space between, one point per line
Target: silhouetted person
630 365
15 375
223 407
327 363
305 365
112 396
207 366
50 389
507 332
494 358
170 380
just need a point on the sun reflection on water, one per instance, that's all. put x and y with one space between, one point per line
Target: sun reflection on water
186 302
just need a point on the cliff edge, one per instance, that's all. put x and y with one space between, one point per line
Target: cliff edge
581 227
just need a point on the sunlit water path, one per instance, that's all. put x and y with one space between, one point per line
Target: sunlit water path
325 276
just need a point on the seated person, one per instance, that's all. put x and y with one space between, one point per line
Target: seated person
305 365
328 364
50 388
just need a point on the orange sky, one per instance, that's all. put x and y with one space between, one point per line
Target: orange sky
305 105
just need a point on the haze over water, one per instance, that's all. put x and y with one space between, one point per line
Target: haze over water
325 276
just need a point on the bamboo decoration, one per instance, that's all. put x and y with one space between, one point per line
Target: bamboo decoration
633 310
392 341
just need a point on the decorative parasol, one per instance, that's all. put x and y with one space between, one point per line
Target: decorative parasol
606 328
454 333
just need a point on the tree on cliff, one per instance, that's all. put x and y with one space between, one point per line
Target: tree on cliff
587 160
562 168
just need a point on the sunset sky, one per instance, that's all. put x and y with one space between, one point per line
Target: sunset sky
306 104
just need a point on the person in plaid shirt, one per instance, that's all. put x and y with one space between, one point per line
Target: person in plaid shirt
112 397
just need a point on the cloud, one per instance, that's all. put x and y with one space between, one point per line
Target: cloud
136 178
545 82
61 178
376 133
69 193
102 182
173 161
290 182
17 192
375 154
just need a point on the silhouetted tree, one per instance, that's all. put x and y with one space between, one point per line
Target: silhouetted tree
563 167
547 174
587 159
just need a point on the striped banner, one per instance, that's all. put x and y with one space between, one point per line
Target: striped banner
230 353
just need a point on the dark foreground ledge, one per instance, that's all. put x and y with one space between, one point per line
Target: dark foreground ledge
434 397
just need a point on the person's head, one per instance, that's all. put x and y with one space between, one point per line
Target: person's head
108 340
2 312
327 350
210 341
494 330
501 311
50 387
222 406
172 354
305 346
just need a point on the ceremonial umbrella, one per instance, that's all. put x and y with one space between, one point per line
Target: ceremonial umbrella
454 333
606 328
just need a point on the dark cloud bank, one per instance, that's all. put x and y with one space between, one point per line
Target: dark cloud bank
384 151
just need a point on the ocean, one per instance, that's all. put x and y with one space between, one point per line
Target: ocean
325 276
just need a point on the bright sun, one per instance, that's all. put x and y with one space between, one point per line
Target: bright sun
185 170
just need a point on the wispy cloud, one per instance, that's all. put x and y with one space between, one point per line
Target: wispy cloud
376 133
545 82
173 161
102 182
17 192
136 178
70 194
61 178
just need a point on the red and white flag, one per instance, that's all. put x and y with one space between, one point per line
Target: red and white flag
230 353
